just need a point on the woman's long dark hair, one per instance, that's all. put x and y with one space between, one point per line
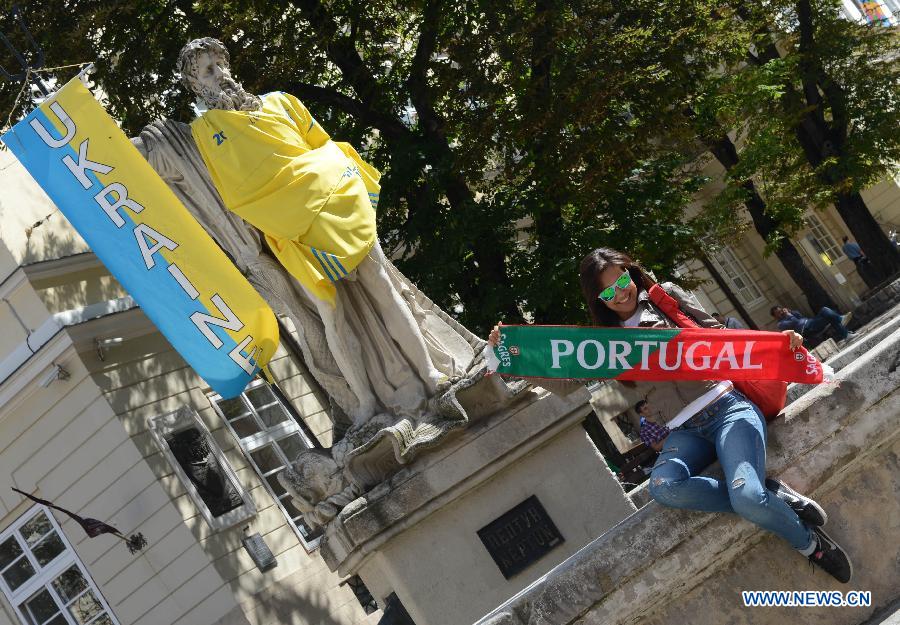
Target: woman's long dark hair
591 267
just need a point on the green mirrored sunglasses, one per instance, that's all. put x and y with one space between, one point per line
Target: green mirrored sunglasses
609 292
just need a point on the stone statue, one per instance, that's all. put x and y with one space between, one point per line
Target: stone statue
191 450
318 487
388 358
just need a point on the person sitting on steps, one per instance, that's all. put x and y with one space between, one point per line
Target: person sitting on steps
809 327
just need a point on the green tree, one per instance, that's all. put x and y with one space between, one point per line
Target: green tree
743 191
590 97
819 111
514 136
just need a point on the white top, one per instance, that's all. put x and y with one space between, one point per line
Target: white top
707 399
634 320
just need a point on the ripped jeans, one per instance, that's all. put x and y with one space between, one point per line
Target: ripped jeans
733 430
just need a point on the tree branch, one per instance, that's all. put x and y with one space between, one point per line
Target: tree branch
815 78
425 47
341 50
811 130
390 127
807 63
417 84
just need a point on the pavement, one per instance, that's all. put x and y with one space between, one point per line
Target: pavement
888 615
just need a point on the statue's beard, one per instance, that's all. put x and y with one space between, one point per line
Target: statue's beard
229 97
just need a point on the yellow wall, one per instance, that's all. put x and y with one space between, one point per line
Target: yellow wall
85 443
143 378
22 204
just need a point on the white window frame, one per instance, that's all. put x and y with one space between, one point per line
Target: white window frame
44 576
728 264
262 438
185 418
822 235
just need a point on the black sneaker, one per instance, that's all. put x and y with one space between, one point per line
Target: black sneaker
808 510
830 557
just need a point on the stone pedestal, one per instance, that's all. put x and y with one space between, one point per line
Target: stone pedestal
417 536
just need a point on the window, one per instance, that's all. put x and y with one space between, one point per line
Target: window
201 466
271 439
874 12
879 12
738 277
362 594
43 578
823 239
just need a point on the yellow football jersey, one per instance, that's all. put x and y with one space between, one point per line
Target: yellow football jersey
313 198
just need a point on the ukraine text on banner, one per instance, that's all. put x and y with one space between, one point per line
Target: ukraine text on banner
584 353
147 239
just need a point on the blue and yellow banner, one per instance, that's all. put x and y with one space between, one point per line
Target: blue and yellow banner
147 239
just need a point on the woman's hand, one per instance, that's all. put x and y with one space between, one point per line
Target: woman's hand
796 339
494 336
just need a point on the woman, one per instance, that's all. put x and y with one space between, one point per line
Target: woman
708 420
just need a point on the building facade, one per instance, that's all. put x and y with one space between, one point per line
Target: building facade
101 417
759 282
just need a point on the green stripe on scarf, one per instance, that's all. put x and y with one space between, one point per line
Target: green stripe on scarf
570 352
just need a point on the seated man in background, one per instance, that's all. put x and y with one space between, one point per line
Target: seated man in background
652 434
811 326
730 323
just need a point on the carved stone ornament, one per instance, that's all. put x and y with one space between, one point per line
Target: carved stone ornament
318 486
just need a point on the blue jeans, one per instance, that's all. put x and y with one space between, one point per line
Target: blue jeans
827 316
735 431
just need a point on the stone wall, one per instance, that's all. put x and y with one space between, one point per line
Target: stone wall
876 304
839 442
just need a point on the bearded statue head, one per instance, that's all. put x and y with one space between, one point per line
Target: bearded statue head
204 65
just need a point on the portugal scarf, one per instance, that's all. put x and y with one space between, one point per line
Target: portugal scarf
652 354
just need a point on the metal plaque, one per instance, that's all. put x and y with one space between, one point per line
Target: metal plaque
258 549
520 537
